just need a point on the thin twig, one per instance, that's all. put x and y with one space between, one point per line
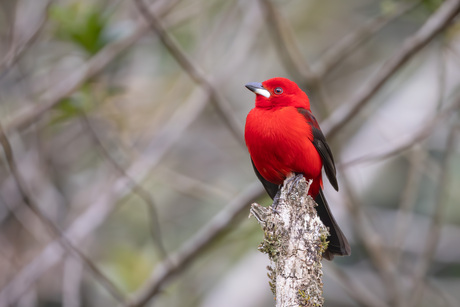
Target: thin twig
16 52
194 187
193 70
372 242
408 200
424 132
30 114
66 243
136 187
290 53
97 213
434 231
345 46
194 246
435 24
356 291
286 46
292 58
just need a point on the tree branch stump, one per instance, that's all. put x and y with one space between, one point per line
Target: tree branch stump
294 239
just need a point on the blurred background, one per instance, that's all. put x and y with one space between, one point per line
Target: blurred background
125 180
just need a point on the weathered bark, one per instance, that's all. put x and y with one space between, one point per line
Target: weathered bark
294 239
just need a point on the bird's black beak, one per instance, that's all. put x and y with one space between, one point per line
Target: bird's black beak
258 89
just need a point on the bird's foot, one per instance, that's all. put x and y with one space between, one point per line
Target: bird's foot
292 181
276 201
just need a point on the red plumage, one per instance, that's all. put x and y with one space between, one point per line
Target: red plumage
280 143
283 137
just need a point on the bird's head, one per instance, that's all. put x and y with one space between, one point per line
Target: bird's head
278 92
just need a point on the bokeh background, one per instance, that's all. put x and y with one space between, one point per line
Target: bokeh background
125 180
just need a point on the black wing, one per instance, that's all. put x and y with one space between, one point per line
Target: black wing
338 244
271 188
319 141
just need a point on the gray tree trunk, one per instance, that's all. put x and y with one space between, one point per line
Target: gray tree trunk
294 239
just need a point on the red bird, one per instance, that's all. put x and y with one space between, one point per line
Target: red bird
284 138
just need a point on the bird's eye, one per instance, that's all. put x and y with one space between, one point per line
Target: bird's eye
278 90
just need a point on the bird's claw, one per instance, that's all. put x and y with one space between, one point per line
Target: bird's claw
276 201
294 180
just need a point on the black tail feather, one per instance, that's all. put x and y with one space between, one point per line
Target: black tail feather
338 243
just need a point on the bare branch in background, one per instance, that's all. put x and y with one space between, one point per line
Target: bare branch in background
418 159
100 208
292 57
286 45
407 203
435 24
66 243
289 53
424 132
196 74
29 115
195 245
434 231
356 291
192 186
379 256
344 47
16 51
135 186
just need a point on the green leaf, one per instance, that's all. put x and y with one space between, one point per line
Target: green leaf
82 25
